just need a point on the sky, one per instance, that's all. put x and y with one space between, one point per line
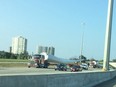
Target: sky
58 23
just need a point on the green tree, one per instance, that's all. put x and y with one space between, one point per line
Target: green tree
114 60
83 58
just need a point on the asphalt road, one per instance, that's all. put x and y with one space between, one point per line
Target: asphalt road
31 71
26 71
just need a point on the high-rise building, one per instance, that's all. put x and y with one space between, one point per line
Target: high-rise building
48 50
51 50
19 45
45 49
10 49
39 49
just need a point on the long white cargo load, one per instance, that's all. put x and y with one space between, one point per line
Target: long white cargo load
52 58
43 60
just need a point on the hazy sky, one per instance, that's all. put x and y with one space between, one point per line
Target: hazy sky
58 23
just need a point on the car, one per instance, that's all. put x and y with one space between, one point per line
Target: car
84 66
61 67
75 68
99 65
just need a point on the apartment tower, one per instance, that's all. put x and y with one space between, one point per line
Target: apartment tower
19 45
48 50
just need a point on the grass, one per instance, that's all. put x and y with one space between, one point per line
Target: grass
13 60
13 63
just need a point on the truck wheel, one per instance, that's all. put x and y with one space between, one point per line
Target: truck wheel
29 66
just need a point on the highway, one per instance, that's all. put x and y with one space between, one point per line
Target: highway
26 71
34 71
18 71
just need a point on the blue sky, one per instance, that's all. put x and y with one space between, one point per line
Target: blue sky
58 23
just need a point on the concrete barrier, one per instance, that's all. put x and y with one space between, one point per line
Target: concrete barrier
113 64
87 79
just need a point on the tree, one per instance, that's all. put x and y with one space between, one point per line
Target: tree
23 55
13 56
8 55
83 58
114 60
4 54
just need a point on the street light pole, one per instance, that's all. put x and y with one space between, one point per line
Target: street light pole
82 40
108 36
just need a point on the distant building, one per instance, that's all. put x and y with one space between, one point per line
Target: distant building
48 50
45 49
39 49
10 49
51 50
19 45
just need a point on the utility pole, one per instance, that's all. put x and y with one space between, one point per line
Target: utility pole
108 36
